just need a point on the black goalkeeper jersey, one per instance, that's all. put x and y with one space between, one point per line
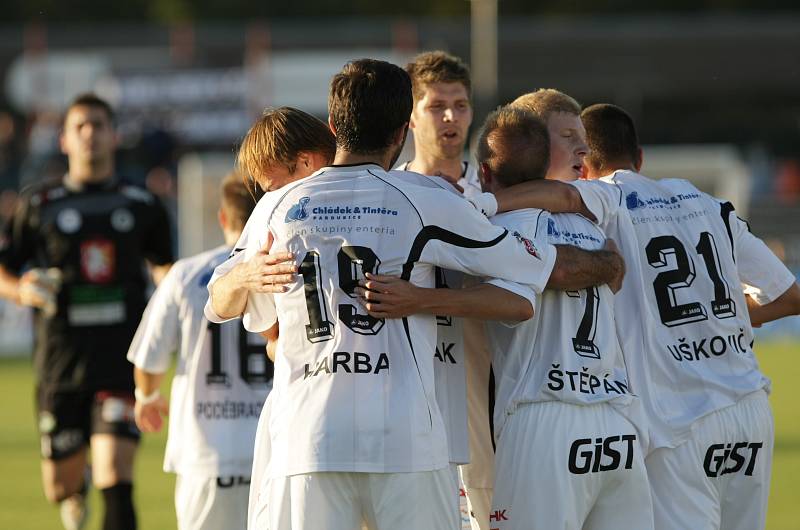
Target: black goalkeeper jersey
98 237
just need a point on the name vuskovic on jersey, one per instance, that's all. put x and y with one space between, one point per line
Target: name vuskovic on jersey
708 347
346 362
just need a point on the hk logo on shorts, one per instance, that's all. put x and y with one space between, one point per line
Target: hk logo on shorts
724 459
497 518
298 211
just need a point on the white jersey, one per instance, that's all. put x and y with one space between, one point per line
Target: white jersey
353 392
222 376
468 181
449 374
682 304
569 350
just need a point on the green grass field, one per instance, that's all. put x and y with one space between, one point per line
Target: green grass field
24 506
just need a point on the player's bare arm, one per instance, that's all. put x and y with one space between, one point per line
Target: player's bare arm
787 304
272 340
391 297
576 268
552 195
263 273
151 406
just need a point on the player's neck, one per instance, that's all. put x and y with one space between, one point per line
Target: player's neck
346 158
90 174
449 168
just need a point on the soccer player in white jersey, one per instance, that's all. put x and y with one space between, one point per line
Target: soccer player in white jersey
685 328
562 115
221 381
283 145
354 420
569 454
688 256
440 121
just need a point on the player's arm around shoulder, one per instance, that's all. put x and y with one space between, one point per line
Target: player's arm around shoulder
391 297
550 195
576 268
262 273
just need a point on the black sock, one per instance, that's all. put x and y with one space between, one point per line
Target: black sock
119 507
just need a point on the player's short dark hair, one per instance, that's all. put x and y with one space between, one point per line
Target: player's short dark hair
278 137
89 99
546 101
237 201
437 67
610 135
369 101
515 144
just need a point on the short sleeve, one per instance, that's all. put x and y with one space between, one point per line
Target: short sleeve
518 289
18 237
603 199
764 275
260 313
158 333
456 236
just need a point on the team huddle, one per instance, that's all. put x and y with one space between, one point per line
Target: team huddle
542 339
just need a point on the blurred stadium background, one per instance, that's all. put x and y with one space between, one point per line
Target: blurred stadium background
714 86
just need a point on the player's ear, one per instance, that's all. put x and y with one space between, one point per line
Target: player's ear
62 142
222 218
485 176
639 159
400 135
331 126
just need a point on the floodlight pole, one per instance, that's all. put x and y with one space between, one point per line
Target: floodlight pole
483 56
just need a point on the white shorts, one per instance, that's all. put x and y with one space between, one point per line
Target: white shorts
203 503
262 452
719 478
345 501
570 467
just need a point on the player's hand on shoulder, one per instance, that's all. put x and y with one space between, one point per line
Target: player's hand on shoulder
389 296
616 283
150 416
267 272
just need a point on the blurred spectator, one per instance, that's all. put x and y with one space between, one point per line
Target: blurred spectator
10 151
44 160
787 182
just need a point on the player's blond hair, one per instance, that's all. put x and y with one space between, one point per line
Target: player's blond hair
546 101
437 67
278 137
